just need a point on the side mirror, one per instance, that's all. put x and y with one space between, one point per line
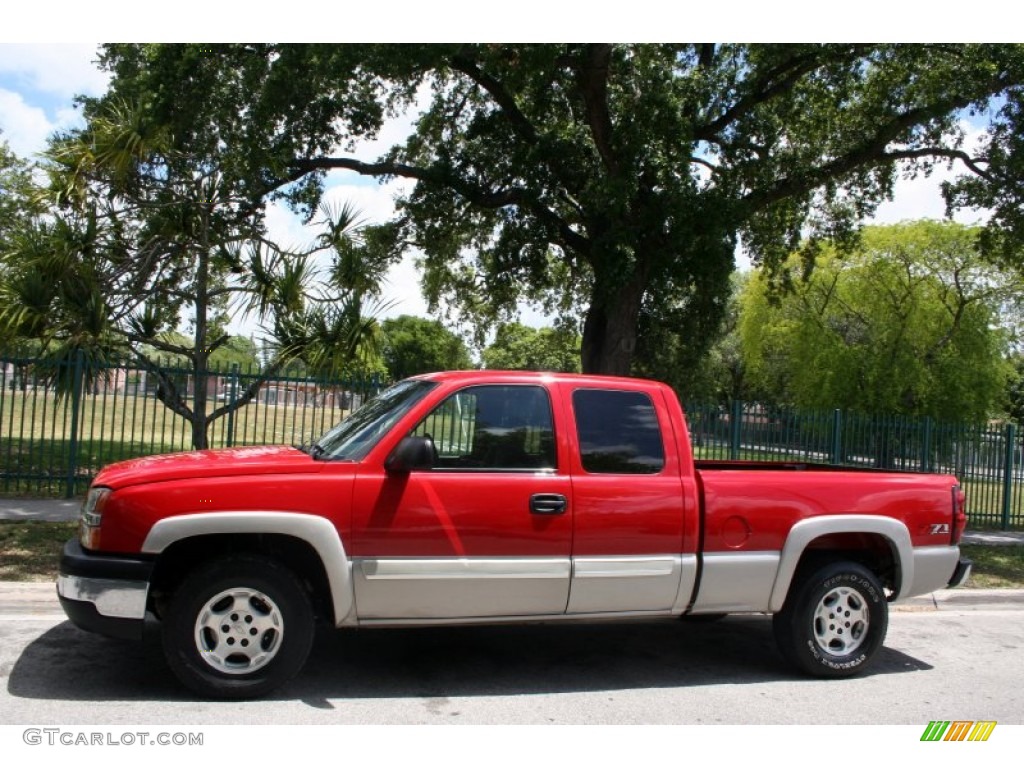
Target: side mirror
412 454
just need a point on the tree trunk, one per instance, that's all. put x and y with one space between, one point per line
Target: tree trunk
609 330
201 358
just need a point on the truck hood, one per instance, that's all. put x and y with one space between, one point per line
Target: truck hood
227 462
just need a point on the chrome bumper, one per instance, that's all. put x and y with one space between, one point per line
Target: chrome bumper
113 598
106 594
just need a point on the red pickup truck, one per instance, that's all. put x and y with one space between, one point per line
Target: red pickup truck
486 497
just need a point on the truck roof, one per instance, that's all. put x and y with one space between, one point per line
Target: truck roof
490 376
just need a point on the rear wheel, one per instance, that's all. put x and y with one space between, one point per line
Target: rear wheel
238 628
834 620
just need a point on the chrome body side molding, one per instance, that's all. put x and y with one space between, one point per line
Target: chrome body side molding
316 531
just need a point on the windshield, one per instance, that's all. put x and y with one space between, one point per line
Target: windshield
355 435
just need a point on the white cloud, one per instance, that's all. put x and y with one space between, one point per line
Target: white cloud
63 70
920 197
25 127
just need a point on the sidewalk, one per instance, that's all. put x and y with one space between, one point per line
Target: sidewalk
50 510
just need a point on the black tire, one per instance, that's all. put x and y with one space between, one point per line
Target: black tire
834 620
238 628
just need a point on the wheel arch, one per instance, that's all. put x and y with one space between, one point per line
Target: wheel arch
308 544
878 543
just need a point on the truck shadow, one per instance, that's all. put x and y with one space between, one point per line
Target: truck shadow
67 664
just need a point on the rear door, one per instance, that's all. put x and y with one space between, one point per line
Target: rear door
627 503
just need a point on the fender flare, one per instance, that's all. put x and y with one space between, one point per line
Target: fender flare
806 531
316 531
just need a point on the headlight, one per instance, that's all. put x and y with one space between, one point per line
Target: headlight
92 516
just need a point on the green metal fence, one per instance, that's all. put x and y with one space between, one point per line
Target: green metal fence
60 422
54 445
986 458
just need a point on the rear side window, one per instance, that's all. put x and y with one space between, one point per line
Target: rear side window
618 432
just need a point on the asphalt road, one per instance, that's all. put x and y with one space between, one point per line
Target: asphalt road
950 662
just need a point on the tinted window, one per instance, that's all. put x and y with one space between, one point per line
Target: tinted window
493 428
618 432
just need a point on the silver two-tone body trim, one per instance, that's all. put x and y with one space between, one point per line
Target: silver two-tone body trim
737 582
933 568
625 583
443 588
316 531
115 598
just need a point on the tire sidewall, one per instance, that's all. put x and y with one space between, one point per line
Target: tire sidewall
799 621
262 575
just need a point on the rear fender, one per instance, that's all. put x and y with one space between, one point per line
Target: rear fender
806 531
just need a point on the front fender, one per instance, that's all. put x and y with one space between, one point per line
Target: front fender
316 531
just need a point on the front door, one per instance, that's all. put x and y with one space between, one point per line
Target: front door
487 532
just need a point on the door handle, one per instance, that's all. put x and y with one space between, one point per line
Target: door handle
548 504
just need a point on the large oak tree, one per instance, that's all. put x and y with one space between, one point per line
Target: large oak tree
611 182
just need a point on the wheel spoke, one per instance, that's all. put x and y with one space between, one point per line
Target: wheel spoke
841 621
238 631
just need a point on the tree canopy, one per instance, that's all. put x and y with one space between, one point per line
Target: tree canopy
907 323
610 183
518 347
147 230
414 345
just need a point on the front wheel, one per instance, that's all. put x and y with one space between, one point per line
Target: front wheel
834 620
238 628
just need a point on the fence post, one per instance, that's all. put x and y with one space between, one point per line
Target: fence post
737 416
1011 450
76 402
232 396
837 436
926 456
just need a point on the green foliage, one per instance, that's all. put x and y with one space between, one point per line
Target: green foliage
149 230
414 345
713 370
518 347
17 201
1013 397
998 183
608 182
905 323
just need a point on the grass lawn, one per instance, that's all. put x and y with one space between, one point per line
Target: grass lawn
995 567
30 550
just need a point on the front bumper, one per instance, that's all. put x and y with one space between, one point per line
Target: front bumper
105 594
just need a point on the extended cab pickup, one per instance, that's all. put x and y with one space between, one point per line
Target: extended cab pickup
497 497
